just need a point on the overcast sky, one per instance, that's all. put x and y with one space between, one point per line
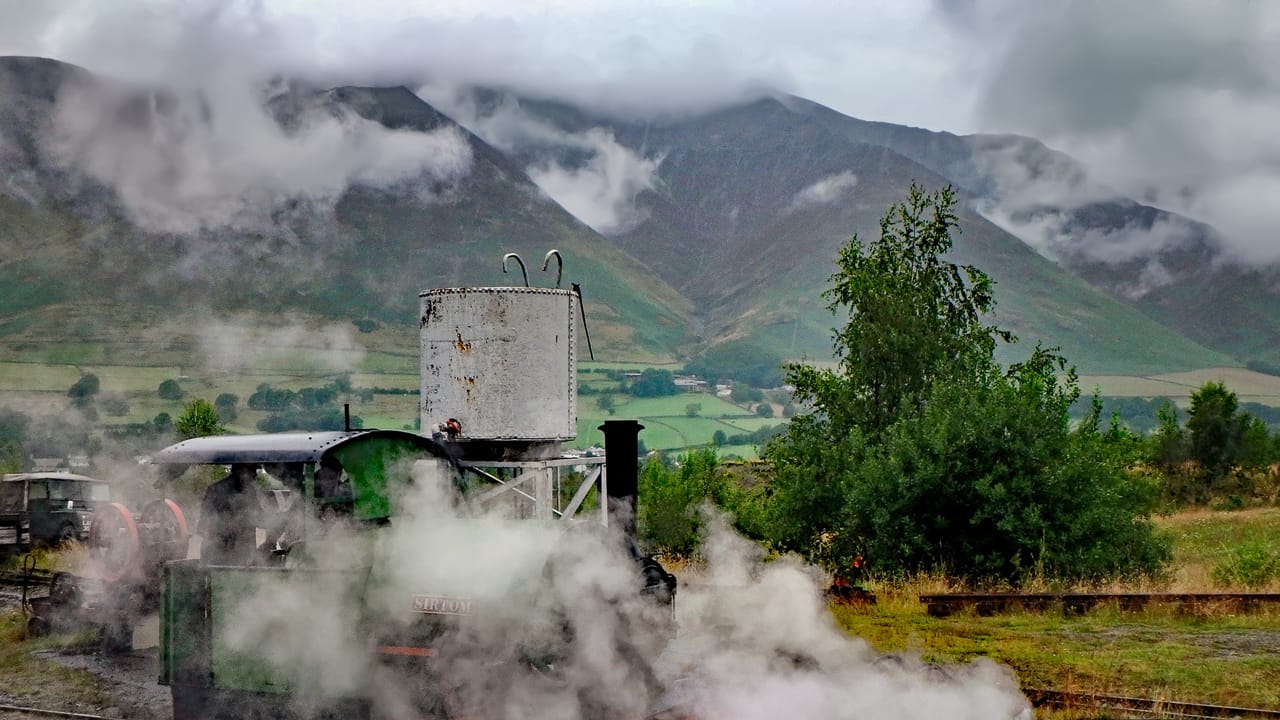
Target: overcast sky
1176 102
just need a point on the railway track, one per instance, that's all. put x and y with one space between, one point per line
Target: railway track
943 604
1131 707
18 578
20 710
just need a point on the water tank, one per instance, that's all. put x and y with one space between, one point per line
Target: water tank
500 360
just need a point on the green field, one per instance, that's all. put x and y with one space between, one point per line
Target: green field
1248 385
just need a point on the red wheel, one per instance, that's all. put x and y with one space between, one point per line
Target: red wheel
113 541
167 529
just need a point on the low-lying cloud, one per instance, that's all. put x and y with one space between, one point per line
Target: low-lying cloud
825 191
589 173
185 160
1175 108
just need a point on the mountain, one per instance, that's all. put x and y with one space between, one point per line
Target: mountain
124 210
749 205
1169 267
142 224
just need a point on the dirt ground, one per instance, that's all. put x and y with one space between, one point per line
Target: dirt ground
129 680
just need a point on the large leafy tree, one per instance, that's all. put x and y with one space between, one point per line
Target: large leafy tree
922 452
915 318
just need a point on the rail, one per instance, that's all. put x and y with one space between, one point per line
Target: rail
1142 707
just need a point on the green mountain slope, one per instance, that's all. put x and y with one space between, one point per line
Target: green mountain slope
752 202
1182 278
74 257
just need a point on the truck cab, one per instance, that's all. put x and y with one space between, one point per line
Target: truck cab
48 508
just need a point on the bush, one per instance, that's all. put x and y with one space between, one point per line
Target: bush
1251 565
269 398
671 497
226 406
653 383
169 390
332 419
82 392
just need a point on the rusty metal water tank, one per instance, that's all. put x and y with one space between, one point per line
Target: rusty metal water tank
501 360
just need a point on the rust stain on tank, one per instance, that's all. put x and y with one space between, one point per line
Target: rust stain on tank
462 345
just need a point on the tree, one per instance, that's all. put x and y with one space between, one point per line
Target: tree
607 404
740 360
921 452
226 407
1169 442
1215 429
669 516
654 383
162 423
692 409
914 318
719 438
83 390
198 418
764 410
269 398
13 437
169 390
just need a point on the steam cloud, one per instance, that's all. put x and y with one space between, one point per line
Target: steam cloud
755 643
233 343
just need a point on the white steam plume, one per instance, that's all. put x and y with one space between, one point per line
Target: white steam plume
558 630
235 343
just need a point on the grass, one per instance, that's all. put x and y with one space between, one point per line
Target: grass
31 680
1202 539
1159 652
1212 655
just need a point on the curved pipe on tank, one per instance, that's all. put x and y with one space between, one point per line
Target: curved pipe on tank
559 264
523 272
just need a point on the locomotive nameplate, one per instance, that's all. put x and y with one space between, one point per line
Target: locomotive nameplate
437 605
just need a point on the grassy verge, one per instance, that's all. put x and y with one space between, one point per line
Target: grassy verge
30 680
1210 657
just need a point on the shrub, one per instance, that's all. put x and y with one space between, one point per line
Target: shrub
671 496
82 392
1251 565
169 390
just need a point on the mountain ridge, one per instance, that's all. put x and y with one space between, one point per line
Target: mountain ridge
733 234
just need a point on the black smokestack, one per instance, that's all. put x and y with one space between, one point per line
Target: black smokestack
621 445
